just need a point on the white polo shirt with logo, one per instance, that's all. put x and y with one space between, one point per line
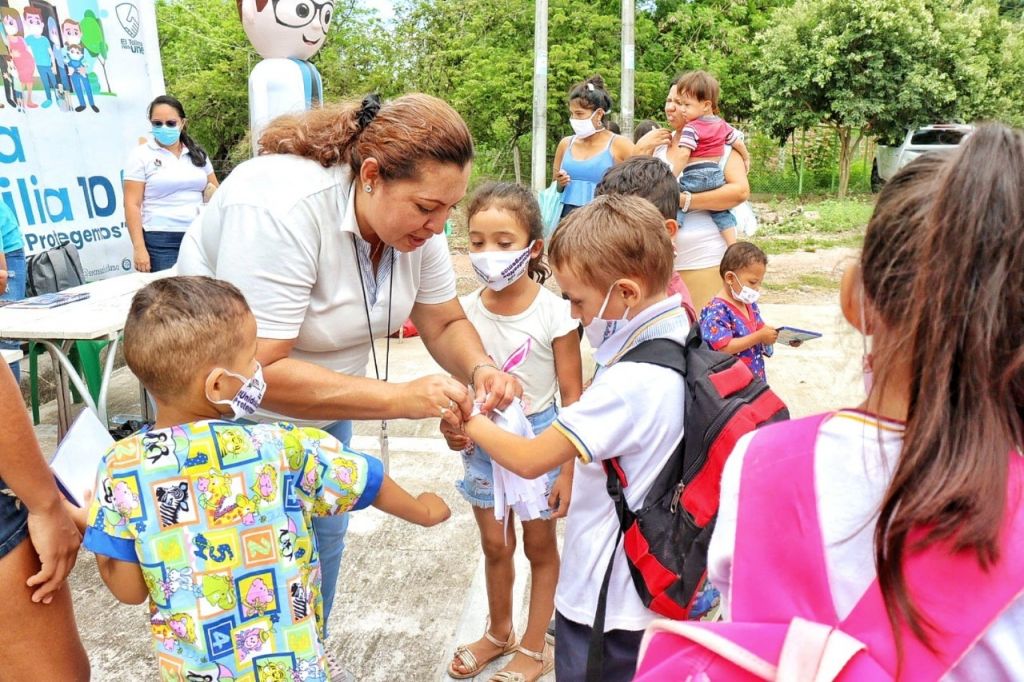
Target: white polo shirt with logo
282 229
173 196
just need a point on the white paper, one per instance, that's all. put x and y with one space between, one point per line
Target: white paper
79 455
526 497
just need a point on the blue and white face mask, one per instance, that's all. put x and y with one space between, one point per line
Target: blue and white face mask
165 135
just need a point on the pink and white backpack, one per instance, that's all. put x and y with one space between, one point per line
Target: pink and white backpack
784 625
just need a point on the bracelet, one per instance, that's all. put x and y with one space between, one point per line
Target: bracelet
472 375
686 204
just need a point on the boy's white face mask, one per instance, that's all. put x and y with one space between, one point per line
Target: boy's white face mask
600 330
498 269
249 396
746 294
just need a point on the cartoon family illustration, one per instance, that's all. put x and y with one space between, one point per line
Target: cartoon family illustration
37 47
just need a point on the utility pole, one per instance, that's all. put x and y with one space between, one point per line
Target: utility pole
539 158
628 65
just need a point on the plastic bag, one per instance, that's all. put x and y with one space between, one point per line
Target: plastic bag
550 201
527 498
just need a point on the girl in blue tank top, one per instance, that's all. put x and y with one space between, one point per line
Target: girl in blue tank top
582 158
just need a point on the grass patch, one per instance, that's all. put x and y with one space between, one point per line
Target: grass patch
787 225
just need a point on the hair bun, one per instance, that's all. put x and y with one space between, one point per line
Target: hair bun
595 81
368 110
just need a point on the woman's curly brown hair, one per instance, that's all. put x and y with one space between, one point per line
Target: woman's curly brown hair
405 132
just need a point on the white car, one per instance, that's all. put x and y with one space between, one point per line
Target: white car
938 137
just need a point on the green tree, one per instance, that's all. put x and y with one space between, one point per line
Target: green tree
860 66
207 59
95 42
714 35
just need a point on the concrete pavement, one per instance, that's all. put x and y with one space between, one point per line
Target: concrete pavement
408 595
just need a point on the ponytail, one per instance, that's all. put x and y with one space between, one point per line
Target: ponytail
196 153
399 134
961 342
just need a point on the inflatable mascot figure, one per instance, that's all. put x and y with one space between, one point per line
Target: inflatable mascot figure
286 33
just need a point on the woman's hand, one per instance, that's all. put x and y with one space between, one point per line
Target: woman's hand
652 140
141 258
436 395
562 178
56 540
561 492
497 388
3 280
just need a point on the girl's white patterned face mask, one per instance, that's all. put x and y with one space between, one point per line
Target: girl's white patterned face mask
499 269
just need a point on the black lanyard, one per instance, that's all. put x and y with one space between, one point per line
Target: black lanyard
384 448
366 308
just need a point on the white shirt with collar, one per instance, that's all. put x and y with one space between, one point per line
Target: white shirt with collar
173 196
633 411
282 229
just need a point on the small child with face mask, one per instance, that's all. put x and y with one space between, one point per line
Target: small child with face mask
209 519
530 332
731 322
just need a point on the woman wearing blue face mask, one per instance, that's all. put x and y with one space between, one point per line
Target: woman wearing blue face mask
164 181
582 158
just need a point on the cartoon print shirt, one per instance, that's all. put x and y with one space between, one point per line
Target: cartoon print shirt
721 322
218 516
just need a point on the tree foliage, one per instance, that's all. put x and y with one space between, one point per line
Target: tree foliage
865 67
872 67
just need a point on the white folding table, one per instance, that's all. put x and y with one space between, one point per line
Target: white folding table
101 316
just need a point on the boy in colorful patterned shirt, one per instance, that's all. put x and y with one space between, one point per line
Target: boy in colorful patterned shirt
210 519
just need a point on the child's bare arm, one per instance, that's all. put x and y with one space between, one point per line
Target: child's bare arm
765 335
426 509
123 579
527 457
740 147
569 370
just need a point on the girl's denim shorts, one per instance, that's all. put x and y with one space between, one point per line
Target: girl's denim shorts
13 520
478 485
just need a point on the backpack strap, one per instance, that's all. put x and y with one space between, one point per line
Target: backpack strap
779 465
664 352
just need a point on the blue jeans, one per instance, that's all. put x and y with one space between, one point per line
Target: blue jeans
477 486
15 292
329 532
163 248
704 177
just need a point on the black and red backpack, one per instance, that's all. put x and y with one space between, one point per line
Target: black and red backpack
666 540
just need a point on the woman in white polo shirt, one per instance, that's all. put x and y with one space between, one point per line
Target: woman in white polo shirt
335 236
164 179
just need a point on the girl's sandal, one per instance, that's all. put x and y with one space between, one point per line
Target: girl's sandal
466 657
546 658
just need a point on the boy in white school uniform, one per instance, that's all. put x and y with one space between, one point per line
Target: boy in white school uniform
633 411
